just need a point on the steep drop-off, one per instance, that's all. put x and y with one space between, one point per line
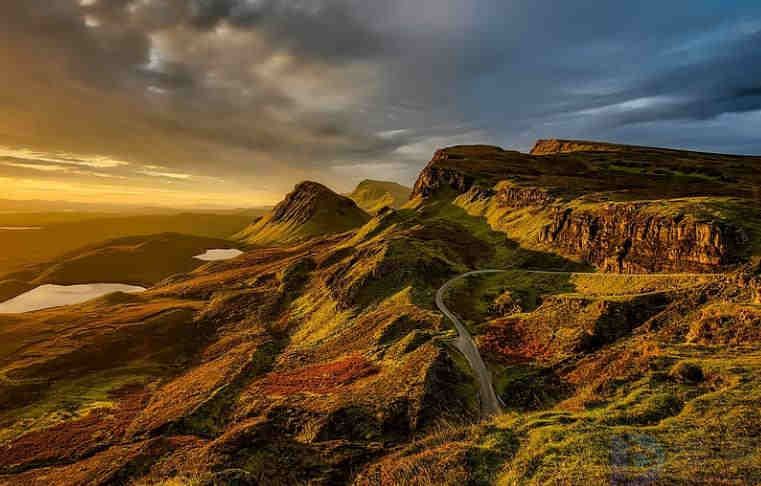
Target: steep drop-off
669 210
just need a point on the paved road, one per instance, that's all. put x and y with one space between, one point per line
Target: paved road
490 403
464 342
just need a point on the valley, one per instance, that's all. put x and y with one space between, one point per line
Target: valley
542 318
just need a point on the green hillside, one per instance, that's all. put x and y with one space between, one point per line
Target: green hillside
372 196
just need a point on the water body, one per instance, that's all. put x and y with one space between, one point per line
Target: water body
46 296
218 255
20 228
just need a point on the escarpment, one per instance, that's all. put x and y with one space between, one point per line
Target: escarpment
559 198
435 177
626 238
555 146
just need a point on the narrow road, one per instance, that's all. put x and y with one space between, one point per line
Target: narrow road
464 342
490 403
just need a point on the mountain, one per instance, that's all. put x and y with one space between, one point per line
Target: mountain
372 196
620 208
311 209
612 297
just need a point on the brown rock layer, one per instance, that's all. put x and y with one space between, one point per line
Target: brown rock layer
554 146
624 238
433 177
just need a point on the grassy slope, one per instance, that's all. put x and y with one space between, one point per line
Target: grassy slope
373 196
635 410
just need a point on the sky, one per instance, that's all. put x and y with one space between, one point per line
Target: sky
232 102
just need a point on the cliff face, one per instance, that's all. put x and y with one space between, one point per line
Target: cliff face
554 146
435 177
625 238
537 201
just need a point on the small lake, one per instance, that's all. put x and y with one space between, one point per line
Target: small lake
46 296
218 255
20 228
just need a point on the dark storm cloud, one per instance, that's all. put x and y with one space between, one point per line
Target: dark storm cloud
267 91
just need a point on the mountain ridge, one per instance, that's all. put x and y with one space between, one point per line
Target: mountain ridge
326 359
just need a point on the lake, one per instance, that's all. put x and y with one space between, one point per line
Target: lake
49 295
218 255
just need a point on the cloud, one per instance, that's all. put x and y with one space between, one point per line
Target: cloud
158 171
256 94
95 161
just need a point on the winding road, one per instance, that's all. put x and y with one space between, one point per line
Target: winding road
490 402
467 346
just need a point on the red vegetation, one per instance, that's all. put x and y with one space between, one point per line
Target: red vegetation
70 441
507 342
320 378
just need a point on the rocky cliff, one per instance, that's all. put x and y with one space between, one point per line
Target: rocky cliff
435 177
628 238
555 146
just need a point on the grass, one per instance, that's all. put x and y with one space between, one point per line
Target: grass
372 196
72 399
652 428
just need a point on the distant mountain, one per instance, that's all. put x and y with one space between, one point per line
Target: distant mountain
372 196
135 260
311 209
61 233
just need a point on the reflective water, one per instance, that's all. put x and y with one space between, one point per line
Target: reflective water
49 295
218 255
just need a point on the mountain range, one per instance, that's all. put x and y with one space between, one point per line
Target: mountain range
618 318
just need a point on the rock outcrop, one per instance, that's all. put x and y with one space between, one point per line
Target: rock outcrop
435 177
627 238
555 146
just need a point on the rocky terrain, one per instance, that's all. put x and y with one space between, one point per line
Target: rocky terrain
624 341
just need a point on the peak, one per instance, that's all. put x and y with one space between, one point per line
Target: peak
311 209
374 182
311 186
373 195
